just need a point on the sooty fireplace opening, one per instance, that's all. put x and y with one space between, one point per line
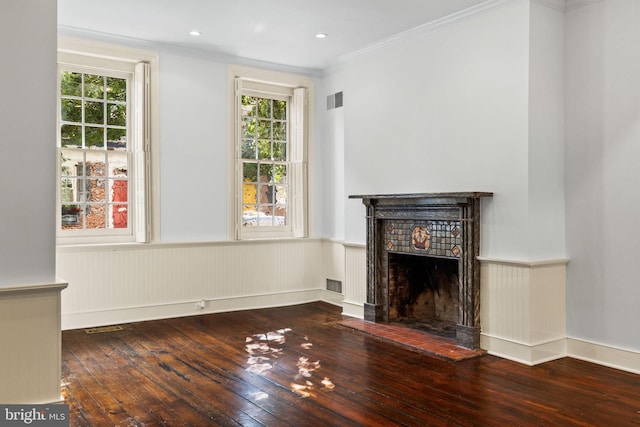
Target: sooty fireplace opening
424 292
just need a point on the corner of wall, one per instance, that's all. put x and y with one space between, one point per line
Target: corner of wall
523 309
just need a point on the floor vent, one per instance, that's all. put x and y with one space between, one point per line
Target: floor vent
103 329
334 285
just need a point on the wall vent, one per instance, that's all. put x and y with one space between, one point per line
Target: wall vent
334 285
334 101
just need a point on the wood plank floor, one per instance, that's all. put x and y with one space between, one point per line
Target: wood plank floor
296 366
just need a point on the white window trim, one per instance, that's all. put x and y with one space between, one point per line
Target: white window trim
102 55
300 201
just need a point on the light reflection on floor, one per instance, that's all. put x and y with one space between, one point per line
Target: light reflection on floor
263 349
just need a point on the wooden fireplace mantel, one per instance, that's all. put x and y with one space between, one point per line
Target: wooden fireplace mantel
390 218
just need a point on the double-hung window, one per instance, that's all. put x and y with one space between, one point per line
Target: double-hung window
270 155
103 150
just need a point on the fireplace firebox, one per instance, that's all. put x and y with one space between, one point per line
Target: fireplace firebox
422 266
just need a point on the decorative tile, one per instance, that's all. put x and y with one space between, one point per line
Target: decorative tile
420 238
424 237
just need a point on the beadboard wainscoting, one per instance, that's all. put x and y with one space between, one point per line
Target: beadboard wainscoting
115 284
355 294
523 309
30 349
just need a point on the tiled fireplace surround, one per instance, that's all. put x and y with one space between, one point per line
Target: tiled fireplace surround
434 225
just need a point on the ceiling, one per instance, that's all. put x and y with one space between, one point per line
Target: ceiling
275 31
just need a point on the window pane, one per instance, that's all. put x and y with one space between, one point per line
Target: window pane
71 110
280 215
116 139
119 213
280 173
266 193
118 164
280 131
279 151
264 150
119 210
250 216
266 173
68 161
96 198
264 108
264 129
71 136
94 112
250 172
248 149
95 216
265 215
248 127
249 194
95 164
248 105
279 110
70 84
281 194
94 137
117 115
72 216
93 86
116 89
67 191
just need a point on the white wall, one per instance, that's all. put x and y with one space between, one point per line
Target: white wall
546 134
30 360
445 110
331 157
27 123
194 147
602 152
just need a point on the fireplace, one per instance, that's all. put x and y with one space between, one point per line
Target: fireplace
422 267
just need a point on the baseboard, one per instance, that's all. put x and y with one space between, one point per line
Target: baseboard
353 309
613 357
331 297
164 311
528 354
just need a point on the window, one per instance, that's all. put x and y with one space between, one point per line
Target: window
103 147
270 156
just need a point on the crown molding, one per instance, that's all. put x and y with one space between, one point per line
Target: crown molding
428 27
559 5
577 4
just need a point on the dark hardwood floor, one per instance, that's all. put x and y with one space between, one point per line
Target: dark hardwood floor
296 366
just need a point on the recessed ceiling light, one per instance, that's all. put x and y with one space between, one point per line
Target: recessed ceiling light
195 33
321 35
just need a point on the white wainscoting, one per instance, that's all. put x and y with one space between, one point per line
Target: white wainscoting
113 284
355 292
30 350
523 309
333 268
